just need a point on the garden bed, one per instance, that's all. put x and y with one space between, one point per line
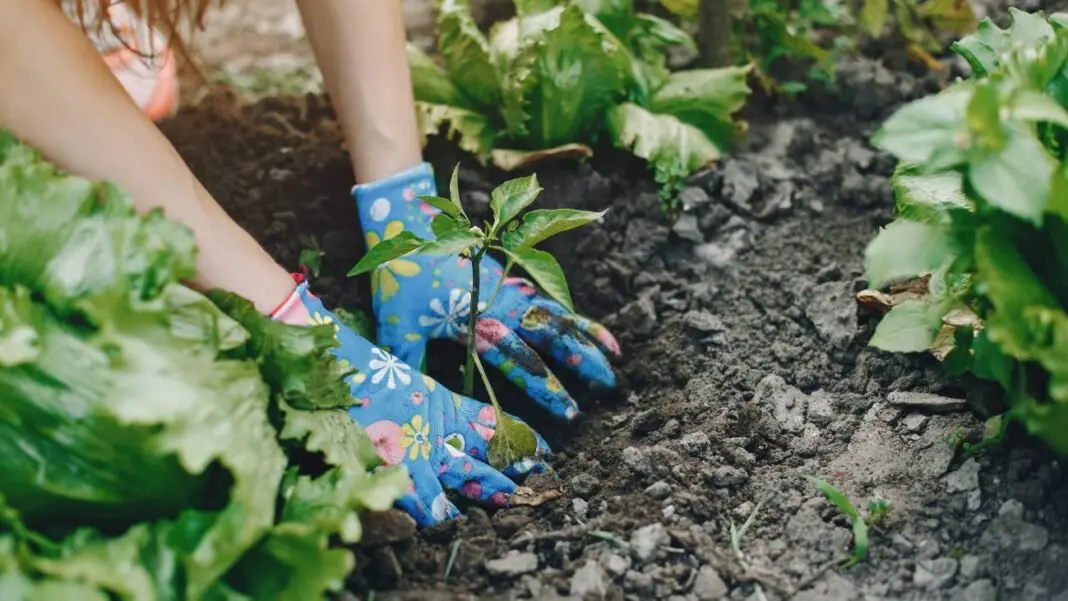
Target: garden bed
745 367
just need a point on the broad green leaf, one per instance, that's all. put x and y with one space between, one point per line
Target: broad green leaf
664 32
873 15
332 433
444 205
512 441
1029 105
842 502
466 54
545 271
984 48
331 502
290 565
906 249
387 250
617 15
567 71
910 327
451 243
430 83
470 131
510 198
541 224
1028 29
921 128
674 148
1016 180
706 99
443 224
927 197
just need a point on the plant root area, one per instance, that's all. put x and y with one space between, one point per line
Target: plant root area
745 368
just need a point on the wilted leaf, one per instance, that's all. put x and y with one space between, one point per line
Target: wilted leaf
543 269
873 15
512 441
510 160
529 497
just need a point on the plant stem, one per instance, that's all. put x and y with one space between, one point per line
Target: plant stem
497 290
472 319
714 33
489 389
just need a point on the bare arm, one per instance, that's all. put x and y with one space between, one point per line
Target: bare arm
60 97
360 48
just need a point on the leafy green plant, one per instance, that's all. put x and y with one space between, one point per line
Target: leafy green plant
311 256
815 33
563 75
159 443
511 233
982 210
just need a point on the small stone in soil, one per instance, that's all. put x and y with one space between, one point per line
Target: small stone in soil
965 478
787 402
639 316
914 422
636 460
820 408
832 310
659 490
645 541
385 527
585 484
513 564
935 573
695 442
709 586
980 590
692 197
703 321
589 580
725 476
616 565
638 582
580 507
969 567
932 402
686 227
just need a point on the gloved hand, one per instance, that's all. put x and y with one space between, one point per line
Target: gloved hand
424 297
439 435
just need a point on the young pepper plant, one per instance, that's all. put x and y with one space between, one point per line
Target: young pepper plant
511 235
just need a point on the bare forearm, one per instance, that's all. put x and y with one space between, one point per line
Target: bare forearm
59 96
360 48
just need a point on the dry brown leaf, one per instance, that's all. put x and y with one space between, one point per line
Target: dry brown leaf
534 498
510 160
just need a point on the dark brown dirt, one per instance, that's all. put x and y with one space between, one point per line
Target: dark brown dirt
745 368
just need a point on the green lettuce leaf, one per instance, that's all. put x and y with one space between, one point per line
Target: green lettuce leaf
706 99
568 69
674 148
466 54
471 131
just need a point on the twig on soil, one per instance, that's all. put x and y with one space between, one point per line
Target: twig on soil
453 551
737 534
565 533
609 537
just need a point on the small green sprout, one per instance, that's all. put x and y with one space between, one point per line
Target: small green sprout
311 257
860 527
878 511
510 235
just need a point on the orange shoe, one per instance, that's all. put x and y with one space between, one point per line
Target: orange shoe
141 60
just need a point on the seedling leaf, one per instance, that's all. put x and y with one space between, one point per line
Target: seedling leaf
541 224
454 188
544 269
920 129
512 441
443 224
860 528
906 249
387 250
451 243
444 205
1017 180
510 198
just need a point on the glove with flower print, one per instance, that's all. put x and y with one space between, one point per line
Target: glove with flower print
423 297
440 436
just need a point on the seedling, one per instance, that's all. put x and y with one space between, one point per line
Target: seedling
511 235
860 526
311 257
878 511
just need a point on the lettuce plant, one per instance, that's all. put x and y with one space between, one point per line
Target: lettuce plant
982 203
563 75
159 443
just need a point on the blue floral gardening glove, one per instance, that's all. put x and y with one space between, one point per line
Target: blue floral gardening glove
424 297
439 435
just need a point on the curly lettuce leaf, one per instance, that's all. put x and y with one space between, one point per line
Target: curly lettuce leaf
568 69
706 99
466 53
674 148
470 130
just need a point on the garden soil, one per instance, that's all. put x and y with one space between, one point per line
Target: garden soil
745 369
